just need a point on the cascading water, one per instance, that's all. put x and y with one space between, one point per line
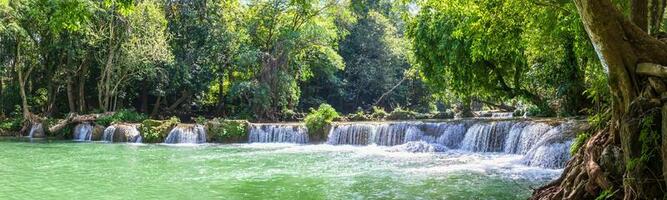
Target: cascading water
354 134
486 137
36 130
541 144
189 134
122 133
83 132
278 133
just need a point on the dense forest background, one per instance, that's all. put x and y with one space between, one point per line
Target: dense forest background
274 59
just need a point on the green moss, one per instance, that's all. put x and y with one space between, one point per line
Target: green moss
221 130
316 120
579 142
154 131
121 116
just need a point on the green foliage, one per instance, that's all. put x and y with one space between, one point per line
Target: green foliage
378 113
401 114
606 194
649 136
200 120
130 116
599 120
579 142
12 124
222 130
358 116
155 130
316 120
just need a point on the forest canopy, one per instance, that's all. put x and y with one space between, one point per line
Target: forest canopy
274 59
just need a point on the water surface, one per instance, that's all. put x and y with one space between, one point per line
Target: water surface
69 170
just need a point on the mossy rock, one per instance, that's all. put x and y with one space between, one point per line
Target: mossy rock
98 131
154 131
227 131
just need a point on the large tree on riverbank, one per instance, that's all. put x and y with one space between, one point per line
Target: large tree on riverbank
627 158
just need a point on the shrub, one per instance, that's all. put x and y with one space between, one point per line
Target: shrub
401 114
11 124
222 130
316 120
200 120
121 116
154 131
358 116
378 113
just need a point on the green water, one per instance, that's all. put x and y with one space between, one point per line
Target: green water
66 170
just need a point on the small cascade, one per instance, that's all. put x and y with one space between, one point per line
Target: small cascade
393 134
354 134
278 133
528 136
36 131
83 132
486 137
542 145
122 133
552 149
191 134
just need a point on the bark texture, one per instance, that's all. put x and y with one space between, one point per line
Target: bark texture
621 159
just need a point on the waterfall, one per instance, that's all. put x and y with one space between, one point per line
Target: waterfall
36 130
542 145
552 148
122 133
278 133
354 134
83 132
183 133
486 137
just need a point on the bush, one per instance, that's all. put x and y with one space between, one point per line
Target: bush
401 114
221 130
316 120
154 131
11 124
121 116
378 113
359 116
200 120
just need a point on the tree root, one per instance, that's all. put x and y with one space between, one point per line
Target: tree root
584 176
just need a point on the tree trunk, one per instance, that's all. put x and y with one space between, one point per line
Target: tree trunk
82 86
22 80
620 45
156 106
71 99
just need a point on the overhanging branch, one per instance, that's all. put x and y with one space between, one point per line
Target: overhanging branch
652 69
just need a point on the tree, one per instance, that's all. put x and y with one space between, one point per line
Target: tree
633 57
